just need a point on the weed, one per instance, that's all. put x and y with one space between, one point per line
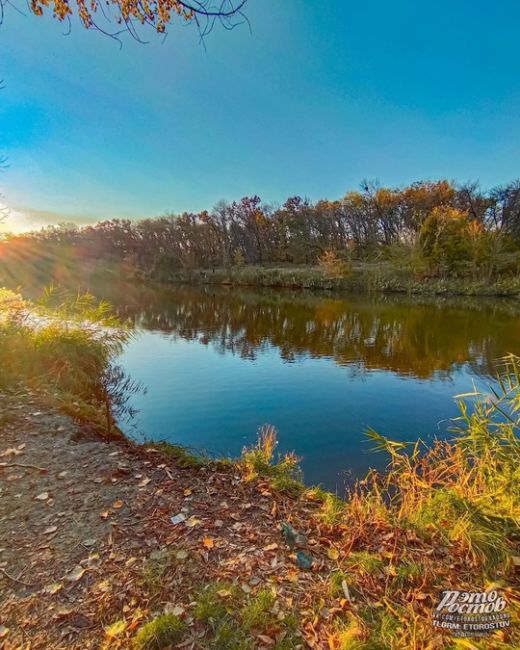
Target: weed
332 507
336 583
409 570
258 461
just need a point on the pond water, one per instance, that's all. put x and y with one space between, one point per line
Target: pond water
218 363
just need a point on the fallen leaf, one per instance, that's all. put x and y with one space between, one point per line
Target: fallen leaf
103 586
4 631
193 521
42 497
292 575
144 482
93 560
333 553
50 530
208 542
117 504
76 574
116 628
52 588
11 451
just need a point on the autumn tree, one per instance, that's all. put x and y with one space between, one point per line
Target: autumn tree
427 225
129 15
333 266
445 239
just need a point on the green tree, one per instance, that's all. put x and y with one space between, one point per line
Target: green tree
445 239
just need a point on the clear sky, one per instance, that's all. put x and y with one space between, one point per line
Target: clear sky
317 97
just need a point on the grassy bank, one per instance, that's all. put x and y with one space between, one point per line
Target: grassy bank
241 554
35 267
384 277
65 347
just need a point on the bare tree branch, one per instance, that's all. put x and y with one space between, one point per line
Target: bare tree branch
130 15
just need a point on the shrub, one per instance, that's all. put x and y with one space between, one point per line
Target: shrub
64 347
333 266
238 258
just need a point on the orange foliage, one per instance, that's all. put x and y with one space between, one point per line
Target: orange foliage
157 13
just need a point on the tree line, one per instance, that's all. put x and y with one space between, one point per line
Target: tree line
435 227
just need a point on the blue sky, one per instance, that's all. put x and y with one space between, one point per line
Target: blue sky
319 96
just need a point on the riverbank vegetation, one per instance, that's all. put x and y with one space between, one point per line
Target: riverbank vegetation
428 236
65 346
241 554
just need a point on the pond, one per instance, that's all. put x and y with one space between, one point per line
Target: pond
218 363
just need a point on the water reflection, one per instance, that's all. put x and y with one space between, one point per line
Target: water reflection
416 337
220 362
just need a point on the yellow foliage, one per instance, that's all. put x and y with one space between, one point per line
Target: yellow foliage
158 14
333 266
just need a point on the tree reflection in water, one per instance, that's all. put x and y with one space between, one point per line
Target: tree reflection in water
419 337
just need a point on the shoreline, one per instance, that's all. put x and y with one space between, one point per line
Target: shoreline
184 537
359 281
109 544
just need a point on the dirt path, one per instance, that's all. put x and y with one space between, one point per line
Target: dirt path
85 525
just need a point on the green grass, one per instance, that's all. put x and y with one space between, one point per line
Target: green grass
161 632
155 570
256 614
231 619
409 571
215 601
332 508
63 347
182 456
365 562
283 472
